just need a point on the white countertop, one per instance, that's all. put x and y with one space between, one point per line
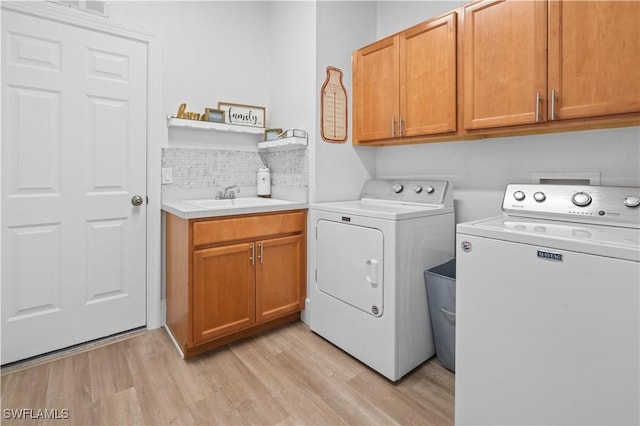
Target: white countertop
186 210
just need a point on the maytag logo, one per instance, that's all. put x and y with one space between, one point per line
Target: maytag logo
551 256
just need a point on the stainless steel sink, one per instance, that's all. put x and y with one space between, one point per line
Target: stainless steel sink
211 203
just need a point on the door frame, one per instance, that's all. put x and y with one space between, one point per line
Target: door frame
155 304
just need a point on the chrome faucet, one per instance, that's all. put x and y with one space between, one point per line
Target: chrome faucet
229 193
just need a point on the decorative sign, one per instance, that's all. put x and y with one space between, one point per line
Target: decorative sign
214 115
271 134
333 109
183 113
245 115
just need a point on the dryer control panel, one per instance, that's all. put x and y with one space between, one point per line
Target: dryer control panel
606 205
429 192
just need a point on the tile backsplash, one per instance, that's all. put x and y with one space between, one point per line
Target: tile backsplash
288 168
209 170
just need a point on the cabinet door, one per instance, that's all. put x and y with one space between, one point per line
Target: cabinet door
223 290
428 78
376 91
594 57
280 277
505 64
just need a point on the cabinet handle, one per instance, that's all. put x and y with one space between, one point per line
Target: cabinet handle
253 254
401 125
393 127
538 102
553 104
261 254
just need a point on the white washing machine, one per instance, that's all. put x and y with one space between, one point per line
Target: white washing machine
368 296
548 309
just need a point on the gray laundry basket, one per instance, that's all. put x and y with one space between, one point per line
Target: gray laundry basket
441 292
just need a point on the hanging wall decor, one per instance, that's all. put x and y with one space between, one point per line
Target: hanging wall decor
333 108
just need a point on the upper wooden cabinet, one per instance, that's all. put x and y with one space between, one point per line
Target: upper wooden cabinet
405 85
428 77
594 58
504 63
591 68
517 67
376 90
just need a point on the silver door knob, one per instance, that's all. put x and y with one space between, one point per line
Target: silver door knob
137 200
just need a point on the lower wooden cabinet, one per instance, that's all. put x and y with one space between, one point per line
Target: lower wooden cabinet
223 291
279 268
228 278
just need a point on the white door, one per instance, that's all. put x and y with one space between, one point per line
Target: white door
352 269
73 156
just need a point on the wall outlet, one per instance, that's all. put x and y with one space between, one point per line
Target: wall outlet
167 175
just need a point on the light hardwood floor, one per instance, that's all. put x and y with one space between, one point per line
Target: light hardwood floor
285 376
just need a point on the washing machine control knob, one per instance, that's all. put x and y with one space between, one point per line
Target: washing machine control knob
429 189
397 188
417 189
632 201
519 195
539 196
581 199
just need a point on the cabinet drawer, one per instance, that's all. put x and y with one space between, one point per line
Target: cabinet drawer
250 227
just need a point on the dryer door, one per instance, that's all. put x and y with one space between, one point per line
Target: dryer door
350 264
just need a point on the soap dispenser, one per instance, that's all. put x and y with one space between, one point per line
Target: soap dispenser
264 182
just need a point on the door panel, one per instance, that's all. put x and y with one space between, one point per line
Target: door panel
74 153
36 148
350 265
107 258
33 286
107 144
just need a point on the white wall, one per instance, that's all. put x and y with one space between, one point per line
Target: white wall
493 163
292 28
480 169
395 16
338 171
211 51
257 52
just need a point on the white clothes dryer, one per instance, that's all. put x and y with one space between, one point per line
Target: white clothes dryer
368 295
